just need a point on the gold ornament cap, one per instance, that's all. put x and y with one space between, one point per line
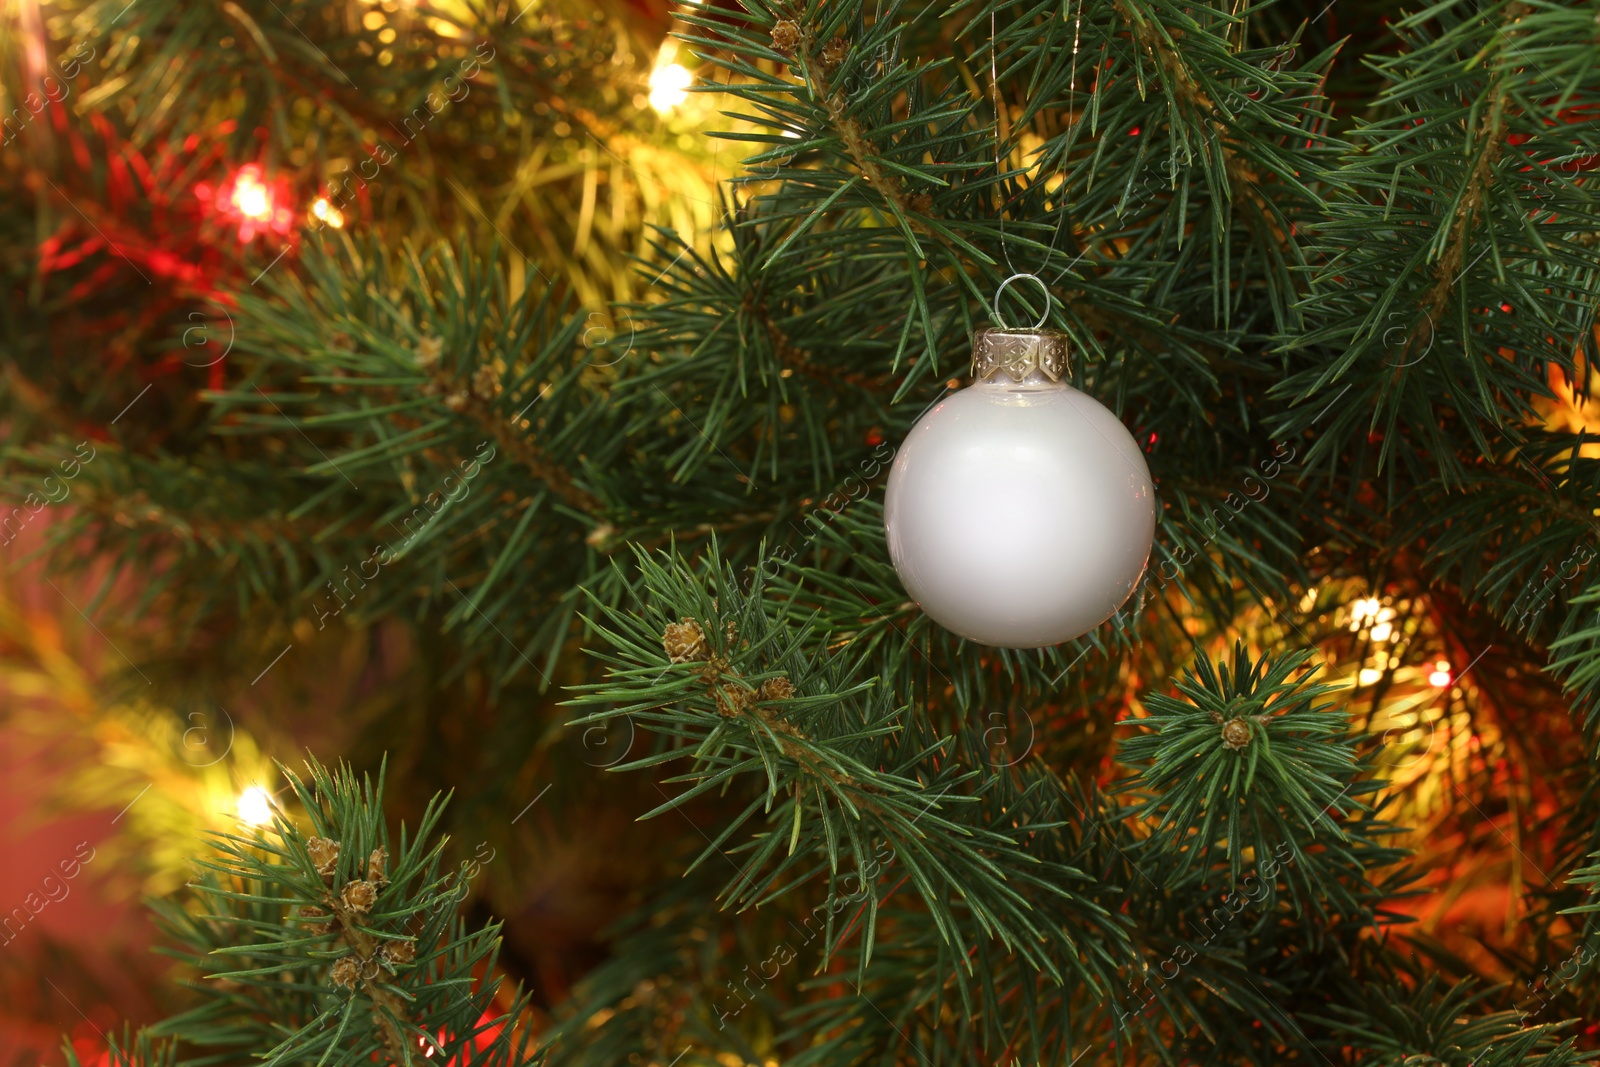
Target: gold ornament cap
1019 354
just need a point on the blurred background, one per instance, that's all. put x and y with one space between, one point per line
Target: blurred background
131 765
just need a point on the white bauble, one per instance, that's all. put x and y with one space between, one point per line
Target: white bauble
1019 511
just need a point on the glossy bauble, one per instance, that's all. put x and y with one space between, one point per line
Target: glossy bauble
1019 511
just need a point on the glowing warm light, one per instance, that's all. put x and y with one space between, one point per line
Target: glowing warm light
1382 631
486 1032
257 204
1362 610
1368 675
1441 676
250 198
669 85
327 212
255 806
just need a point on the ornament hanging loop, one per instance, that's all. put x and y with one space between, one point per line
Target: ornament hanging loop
998 293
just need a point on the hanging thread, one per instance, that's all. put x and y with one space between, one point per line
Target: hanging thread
999 165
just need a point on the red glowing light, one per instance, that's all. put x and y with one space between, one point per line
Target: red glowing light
1506 308
1134 132
258 204
484 1034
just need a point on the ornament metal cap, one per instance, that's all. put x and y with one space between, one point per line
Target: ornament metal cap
1019 353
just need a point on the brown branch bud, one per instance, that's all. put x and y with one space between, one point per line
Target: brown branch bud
359 897
324 855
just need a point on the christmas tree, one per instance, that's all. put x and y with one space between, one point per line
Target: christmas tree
498 400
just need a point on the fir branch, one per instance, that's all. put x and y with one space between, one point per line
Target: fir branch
382 928
815 69
1248 761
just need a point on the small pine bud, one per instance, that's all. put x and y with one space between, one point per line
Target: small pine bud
429 349
359 897
324 855
377 867
600 536
779 688
735 698
486 382
1236 734
715 667
311 911
399 952
833 53
456 401
922 203
346 972
685 642
786 35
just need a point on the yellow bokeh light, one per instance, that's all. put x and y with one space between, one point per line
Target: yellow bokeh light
255 806
327 212
250 197
669 86
1362 610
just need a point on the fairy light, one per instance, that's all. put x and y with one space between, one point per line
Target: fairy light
327 212
1382 631
255 806
250 197
484 1033
1441 676
258 205
669 86
1368 676
1362 610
